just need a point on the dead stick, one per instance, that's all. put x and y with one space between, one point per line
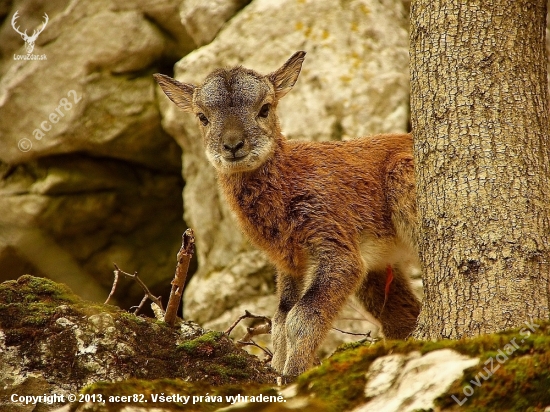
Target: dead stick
263 329
115 282
268 353
135 276
367 335
184 257
140 306
247 315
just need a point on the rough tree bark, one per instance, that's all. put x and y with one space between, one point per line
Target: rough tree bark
480 119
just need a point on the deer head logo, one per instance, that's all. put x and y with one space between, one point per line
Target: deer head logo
29 40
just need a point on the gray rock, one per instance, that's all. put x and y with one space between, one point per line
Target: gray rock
165 14
203 20
405 383
249 273
69 218
106 111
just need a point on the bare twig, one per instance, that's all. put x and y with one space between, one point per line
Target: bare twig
366 336
263 329
248 315
352 333
148 294
184 257
140 306
268 353
115 283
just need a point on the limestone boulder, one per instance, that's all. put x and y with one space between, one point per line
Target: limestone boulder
86 95
203 20
407 383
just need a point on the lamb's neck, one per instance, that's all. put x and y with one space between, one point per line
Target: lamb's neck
261 189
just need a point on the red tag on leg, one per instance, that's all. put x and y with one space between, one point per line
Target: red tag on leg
389 280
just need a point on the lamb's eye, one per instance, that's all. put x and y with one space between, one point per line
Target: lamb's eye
203 119
264 111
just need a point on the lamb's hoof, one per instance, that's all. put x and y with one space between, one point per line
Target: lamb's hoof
286 380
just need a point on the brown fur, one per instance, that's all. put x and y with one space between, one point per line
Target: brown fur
331 216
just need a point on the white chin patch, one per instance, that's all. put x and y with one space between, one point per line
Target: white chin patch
252 161
248 164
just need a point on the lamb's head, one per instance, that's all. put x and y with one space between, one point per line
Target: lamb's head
236 110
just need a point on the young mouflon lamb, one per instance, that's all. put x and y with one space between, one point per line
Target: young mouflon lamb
336 218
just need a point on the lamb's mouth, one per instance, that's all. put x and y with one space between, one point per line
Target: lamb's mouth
235 158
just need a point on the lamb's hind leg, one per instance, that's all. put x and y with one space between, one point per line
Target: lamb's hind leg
400 310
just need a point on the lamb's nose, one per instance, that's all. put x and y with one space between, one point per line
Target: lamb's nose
233 148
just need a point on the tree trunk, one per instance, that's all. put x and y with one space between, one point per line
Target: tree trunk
480 121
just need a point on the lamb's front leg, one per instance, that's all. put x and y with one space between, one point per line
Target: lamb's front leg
337 274
288 294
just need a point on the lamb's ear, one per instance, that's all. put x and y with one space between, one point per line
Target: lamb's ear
180 93
285 77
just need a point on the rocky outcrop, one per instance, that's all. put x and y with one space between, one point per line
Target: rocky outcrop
52 342
503 371
101 359
203 20
354 82
405 383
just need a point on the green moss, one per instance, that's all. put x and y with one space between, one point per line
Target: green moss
31 302
218 358
130 317
37 315
30 312
339 382
521 382
30 289
225 372
235 360
203 346
211 337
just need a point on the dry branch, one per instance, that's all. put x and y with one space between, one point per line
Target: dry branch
140 306
263 329
184 257
148 294
366 336
268 353
115 283
248 315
